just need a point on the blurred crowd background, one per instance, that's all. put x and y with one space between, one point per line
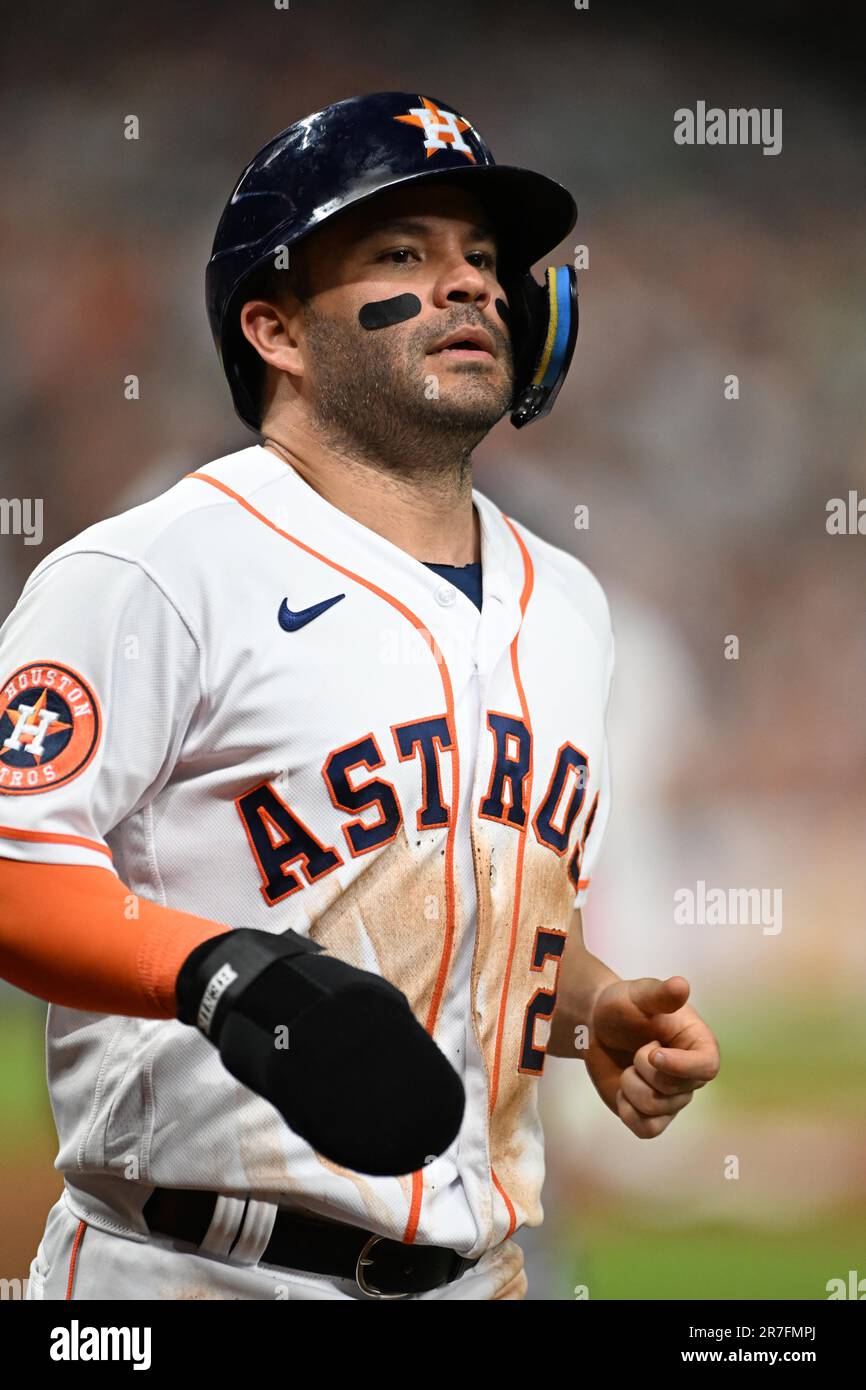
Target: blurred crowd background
706 520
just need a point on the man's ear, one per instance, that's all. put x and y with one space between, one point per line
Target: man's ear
274 329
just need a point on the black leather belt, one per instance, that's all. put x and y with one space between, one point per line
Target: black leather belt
382 1268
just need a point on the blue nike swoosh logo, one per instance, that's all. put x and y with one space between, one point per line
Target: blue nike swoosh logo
290 621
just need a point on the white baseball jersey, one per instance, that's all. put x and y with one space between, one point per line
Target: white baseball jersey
251 707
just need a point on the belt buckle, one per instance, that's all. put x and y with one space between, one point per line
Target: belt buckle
360 1278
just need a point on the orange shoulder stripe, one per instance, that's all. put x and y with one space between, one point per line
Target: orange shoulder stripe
11 832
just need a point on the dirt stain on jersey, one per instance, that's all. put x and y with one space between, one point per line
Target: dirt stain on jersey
393 917
380 1214
546 901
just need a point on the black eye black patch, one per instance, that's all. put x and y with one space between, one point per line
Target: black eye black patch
386 312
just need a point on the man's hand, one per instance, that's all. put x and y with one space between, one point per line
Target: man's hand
649 1051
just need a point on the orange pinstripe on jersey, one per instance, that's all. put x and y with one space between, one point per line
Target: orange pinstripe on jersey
526 593
448 941
73 1258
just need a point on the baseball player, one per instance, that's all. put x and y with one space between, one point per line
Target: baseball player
303 770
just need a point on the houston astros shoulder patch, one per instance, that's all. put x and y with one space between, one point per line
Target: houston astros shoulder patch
50 727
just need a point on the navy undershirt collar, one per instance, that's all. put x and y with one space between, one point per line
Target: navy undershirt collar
467 578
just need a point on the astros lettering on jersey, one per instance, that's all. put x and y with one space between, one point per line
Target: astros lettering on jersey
281 719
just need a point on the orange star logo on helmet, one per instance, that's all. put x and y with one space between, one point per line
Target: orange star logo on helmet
442 129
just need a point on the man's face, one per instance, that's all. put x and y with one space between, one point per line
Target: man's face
431 241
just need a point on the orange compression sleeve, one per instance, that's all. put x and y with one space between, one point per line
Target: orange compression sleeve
78 936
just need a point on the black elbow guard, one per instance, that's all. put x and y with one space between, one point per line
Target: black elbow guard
336 1049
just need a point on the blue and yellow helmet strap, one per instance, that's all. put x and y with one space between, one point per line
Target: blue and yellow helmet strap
558 326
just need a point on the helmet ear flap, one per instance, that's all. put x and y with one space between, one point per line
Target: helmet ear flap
544 321
244 369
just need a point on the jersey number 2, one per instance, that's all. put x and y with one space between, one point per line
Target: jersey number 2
549 945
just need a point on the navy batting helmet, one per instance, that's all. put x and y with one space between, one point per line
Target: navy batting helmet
349 152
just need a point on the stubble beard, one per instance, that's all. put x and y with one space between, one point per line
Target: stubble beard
377 398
